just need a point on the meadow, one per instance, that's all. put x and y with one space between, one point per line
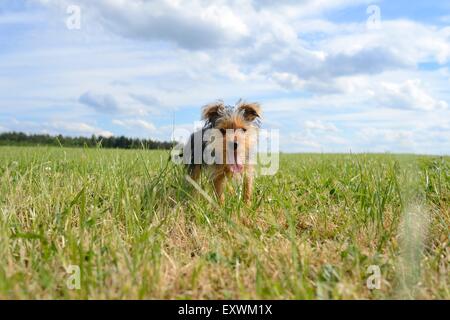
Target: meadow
320 228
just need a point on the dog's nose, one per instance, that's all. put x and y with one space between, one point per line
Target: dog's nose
235 146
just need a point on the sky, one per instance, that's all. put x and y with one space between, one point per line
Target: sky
331 76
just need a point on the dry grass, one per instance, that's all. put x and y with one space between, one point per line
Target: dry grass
128 220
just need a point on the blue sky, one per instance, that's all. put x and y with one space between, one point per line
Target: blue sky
326 78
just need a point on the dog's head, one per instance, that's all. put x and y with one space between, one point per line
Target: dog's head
236 128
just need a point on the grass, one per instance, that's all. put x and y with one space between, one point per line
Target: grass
129 221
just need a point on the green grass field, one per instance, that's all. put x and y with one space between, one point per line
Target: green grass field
131 223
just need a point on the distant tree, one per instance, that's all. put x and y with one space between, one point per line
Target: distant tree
121 142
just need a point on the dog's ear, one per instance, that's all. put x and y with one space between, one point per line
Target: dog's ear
250 111
211 112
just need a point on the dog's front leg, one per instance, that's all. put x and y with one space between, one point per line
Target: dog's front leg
248 185
218 186
195 172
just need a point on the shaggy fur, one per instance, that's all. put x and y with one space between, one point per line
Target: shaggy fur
232 133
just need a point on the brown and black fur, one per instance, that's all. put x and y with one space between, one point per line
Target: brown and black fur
239 127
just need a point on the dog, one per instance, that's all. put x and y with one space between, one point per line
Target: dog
229 137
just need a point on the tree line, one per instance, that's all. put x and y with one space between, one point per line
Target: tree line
120 142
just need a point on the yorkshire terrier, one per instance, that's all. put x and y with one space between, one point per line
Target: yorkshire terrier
226 144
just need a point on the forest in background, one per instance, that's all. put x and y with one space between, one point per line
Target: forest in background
119 142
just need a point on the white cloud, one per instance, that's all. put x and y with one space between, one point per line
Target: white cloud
77 128
189 24
318 125
147 100
408 95
121 102
306 8
136 124
411 41
317 135
271 39
299 139
99 102
132 59
320 65
54 127
316 141
144 129
388 135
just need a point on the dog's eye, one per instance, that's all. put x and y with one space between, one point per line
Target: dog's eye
243 129
223 131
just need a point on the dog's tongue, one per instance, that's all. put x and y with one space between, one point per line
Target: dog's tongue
236 168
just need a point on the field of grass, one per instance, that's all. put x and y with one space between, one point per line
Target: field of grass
130 222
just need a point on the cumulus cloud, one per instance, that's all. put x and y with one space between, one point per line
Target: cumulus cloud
136 124
388 135
317 141
103 103
318 125
266 37
60 126
323 75
317 135
346 50
307 65
299 139
196 24
413 41
147 100
188 24
76 128
403 139
294 57
408 95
